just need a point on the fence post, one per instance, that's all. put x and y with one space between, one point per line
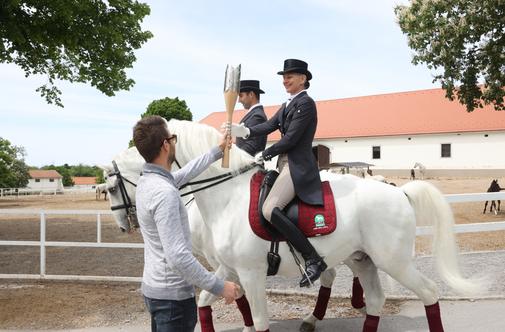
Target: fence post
98 228
42 244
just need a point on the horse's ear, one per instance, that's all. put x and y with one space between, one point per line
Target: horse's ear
106 168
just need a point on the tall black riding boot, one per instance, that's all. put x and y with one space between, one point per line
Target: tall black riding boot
314 264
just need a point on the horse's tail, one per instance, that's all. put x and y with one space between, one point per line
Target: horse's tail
431 207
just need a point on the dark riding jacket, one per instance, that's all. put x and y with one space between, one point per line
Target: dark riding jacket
257 144
297 124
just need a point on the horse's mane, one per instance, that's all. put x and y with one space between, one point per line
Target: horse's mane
196 139
130 157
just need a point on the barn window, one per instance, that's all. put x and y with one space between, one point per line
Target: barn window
37 180
51 180
446 150
376 152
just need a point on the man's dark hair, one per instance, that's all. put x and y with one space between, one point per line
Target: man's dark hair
148 136
257 94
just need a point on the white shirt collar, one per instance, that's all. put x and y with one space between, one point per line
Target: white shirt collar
293 96
253 106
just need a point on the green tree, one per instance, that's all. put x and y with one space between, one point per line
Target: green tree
86 41
13 170
464 42
168 108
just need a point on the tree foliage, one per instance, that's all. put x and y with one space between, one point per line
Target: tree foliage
86 41
168 108
464 41
13 170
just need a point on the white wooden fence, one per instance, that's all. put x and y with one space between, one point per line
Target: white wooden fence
20 192
43 244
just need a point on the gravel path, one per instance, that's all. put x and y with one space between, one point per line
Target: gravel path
478 264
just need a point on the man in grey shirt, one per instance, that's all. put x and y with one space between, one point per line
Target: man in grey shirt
170 269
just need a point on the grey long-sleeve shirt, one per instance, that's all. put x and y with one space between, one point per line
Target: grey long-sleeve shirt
170 269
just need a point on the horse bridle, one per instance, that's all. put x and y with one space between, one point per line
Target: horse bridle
131 209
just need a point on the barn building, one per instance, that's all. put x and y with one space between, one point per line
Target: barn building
394 131
84 182
45 180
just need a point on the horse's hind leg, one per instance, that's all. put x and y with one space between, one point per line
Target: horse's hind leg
254 285
323 297
424 288
485 207
375 298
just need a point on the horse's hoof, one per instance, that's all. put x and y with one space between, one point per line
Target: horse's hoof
306 327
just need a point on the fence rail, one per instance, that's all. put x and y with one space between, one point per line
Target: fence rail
42 243
19 192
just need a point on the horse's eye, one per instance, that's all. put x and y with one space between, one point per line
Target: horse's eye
111 190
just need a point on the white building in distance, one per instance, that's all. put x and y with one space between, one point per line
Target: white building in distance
394 131
45 180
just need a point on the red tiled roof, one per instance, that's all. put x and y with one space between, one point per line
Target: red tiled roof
403 113
83 180
44 174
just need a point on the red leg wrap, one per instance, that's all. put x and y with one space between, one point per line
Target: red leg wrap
357 294
434 319
205 316
322 302
245 310
371 323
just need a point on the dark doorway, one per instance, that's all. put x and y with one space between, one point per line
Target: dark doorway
322 154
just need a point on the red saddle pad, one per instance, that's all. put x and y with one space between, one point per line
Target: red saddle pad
313 220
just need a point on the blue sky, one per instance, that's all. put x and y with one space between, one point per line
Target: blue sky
354 48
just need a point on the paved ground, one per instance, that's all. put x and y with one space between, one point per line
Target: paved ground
486 314
458 316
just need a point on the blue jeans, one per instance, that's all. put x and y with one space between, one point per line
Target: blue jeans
172 315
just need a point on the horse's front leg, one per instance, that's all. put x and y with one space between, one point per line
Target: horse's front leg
323 297
254 285
206 299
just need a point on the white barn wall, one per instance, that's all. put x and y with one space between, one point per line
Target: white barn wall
45 184
468 150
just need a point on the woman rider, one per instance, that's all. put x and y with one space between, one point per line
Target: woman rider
298 168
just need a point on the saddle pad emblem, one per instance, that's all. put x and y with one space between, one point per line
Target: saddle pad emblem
319 221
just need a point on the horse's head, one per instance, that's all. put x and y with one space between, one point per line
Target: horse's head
121 178
195 139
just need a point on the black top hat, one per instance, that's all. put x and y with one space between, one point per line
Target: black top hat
296 66
250 85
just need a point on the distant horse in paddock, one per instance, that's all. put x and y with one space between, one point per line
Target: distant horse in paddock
493 188
422 169
101 189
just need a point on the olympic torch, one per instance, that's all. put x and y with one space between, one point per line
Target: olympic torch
231 90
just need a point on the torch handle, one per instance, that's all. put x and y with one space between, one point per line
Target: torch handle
225 163
230 98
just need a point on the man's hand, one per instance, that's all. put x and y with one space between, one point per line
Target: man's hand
225 140
237 130
231 292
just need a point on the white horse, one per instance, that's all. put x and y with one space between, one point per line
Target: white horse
129 163
101 189
374 218
422 169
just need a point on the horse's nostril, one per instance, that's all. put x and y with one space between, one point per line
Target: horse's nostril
122 229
